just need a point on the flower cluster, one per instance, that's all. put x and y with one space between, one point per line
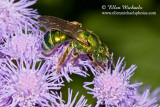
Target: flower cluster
114 89
16 15
29 78
24 84
21 43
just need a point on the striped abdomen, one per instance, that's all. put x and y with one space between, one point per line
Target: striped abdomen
52 39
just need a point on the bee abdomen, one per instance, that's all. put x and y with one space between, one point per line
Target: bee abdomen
48 40
52 39
45 48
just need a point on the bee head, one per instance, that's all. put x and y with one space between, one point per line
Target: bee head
102 54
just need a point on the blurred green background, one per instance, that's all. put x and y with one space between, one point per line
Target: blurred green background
137 38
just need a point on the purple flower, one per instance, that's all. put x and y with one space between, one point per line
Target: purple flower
68 67
22 43
147 99
71 103
27 83
112 88
14 15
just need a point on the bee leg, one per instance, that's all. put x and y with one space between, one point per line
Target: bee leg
103 64
95 63
63 58
76 56
97 66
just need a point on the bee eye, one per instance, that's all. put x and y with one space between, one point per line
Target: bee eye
99 57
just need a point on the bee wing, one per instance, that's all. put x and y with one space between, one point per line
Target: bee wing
54 23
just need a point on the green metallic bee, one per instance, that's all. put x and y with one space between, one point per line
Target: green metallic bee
82 41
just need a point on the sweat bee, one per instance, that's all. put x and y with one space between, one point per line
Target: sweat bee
82 41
